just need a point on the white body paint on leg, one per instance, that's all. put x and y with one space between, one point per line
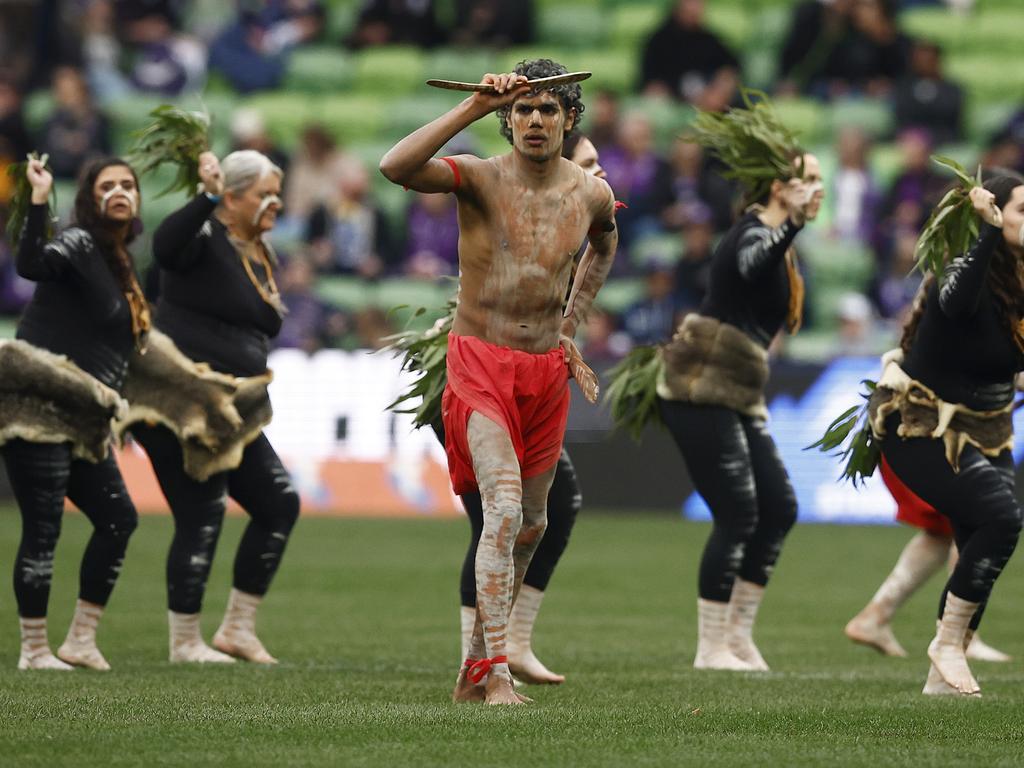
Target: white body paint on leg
79 648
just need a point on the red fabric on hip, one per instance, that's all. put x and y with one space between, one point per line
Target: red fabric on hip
911 508
526 394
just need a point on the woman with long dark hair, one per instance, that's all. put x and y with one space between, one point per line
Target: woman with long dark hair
942 412
88 307
711 399
220 305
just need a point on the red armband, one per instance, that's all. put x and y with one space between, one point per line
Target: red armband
455 169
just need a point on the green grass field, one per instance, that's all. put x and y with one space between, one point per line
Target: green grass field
364 617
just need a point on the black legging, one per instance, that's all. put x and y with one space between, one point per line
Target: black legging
41 476
564 501
260 484
735 466
979 501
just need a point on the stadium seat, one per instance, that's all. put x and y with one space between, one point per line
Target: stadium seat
8 327
838 263
937 25
37 108
872 116
341 19
319 69
618 294
886 161
632 23
614 69
984 120
344 292
389 70
732 23
656 249
571 25
466 64
402 298
987 78
669 118
806 117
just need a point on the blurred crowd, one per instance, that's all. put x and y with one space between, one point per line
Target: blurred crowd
679 204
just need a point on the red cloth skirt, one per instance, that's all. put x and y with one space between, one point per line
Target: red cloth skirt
526 394
912 509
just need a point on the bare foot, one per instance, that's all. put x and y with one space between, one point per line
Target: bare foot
866 629
720 658
979 650
242 645
934 685
950 662
82 655
466 690
41 658
499 690
528 668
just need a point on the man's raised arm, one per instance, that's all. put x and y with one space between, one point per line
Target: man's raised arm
411 161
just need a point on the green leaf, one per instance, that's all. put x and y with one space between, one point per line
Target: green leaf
21 200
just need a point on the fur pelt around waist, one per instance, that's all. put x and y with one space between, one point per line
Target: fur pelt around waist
709 362
925 414
46 398
214 415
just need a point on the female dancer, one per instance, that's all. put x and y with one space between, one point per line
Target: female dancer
564 502
711 398
89 308
943 416
219 304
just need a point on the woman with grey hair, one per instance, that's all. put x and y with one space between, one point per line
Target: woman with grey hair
220 305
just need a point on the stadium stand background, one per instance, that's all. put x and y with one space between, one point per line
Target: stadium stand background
366 98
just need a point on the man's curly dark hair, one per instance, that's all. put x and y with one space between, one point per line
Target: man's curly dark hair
569 95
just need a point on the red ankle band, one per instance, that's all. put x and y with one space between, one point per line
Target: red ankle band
479 669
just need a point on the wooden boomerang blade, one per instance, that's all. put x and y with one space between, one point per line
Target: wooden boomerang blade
543 82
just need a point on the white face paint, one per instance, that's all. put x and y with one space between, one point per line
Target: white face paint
1020 235
131 195
268 201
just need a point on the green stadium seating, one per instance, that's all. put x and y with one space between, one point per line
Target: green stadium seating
466 64
344 292
38 107
572 25
987 78
935 24
885 160
614 69
669 118
732 23
405 115
401 298
390 70
806 117
632 23
341 19
319 69
619 293
8 327
837 263
656 249
984 120
872 116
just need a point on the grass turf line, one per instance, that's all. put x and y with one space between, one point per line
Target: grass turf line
364 618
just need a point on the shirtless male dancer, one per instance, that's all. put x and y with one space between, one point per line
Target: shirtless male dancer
522 217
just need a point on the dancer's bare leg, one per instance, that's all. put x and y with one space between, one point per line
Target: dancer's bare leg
920 560
501 490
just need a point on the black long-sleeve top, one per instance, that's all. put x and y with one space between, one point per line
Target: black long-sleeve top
208 305
749 283
79 309
963 349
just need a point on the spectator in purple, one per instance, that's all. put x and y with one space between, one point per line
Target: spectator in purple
252 51
855 196
640 178
494 23
351 236
926 99
683 57
76 131
389 22
15 291
432 248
